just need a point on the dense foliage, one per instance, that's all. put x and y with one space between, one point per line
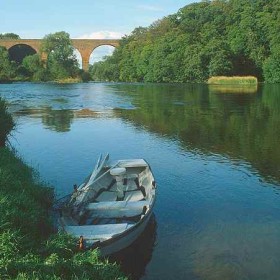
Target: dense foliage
210 38
6 123
7 68
9 36
61 62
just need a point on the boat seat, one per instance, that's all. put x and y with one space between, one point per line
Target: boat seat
116 209
101 232
134 196
129 186
106 196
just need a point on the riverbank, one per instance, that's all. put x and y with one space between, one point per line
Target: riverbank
6 123
30 249
59 81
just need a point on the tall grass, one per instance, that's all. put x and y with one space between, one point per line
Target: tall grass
6 122
235 80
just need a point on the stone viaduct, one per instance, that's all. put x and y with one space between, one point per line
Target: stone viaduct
84 46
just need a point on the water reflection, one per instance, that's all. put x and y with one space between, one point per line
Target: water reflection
57 120
204 119
235 89
217 218
134 259
241 253
242 126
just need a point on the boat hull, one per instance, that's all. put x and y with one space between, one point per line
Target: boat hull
125 239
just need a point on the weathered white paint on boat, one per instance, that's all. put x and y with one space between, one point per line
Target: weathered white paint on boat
113 206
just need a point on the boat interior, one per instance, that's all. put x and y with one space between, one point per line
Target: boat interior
111 204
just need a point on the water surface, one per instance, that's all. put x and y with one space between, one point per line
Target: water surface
215 155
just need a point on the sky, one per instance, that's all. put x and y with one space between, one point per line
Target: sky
85 19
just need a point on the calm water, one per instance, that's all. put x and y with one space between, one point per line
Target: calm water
215 155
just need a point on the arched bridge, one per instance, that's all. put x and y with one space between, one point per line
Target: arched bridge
84 46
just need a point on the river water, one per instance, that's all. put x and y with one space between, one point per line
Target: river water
214 152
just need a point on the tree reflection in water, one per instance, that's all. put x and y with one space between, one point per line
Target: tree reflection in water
242 126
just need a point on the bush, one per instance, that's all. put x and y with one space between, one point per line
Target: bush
6 123
271 69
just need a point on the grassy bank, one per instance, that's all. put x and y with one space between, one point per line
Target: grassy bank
235 80
29 247
6 123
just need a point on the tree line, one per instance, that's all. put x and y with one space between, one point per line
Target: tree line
61 61
201 40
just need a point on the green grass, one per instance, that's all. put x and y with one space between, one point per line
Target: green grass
235 80
29 248
6 123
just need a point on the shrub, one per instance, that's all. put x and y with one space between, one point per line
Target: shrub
6 123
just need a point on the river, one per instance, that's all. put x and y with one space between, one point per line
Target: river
214 153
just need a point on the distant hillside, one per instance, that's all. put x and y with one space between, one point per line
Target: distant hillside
210 38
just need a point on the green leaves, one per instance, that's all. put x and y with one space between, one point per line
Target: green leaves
272 67
9 36
62 62
203 39
7 68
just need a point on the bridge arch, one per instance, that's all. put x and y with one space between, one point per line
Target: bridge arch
99 52
87 46
18 52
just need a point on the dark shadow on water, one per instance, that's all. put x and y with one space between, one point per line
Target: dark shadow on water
135 258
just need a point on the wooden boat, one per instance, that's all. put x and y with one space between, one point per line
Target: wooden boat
112 207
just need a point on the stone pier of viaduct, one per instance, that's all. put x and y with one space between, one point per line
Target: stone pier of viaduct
84 46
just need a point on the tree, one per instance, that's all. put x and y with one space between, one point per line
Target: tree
34 68
7 69
62 63
9 36
271 68
218 37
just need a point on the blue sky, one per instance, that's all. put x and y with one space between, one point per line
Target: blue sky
35 18
84 18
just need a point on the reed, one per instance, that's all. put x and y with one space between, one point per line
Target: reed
234 80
